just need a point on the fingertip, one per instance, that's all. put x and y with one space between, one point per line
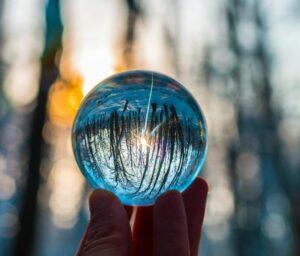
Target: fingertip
195 196
168 197
170 225
108 231
199 184
169 205
100 199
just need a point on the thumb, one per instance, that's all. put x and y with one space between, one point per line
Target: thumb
108 232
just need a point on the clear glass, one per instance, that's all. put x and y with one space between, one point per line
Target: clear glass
139 134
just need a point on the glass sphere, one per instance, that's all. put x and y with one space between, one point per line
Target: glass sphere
139 134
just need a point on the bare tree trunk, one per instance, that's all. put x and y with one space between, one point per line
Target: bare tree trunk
261 127
3 103
49 72
134 13
271 144
248 241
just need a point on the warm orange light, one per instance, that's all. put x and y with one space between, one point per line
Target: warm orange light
64 99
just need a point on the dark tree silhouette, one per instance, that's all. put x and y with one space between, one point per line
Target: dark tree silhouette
3 101
257 130
49 72
134 14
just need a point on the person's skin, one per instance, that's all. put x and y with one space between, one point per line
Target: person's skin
169 228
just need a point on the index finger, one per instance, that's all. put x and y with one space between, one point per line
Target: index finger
170 227
108 231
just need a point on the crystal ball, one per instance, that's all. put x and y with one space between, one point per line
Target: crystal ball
139 134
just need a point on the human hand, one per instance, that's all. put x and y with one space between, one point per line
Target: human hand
169 228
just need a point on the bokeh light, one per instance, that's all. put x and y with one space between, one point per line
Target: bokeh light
238 59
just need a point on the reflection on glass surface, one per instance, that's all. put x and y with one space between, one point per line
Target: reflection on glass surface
139 134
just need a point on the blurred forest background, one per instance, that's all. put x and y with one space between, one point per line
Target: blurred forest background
239 58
